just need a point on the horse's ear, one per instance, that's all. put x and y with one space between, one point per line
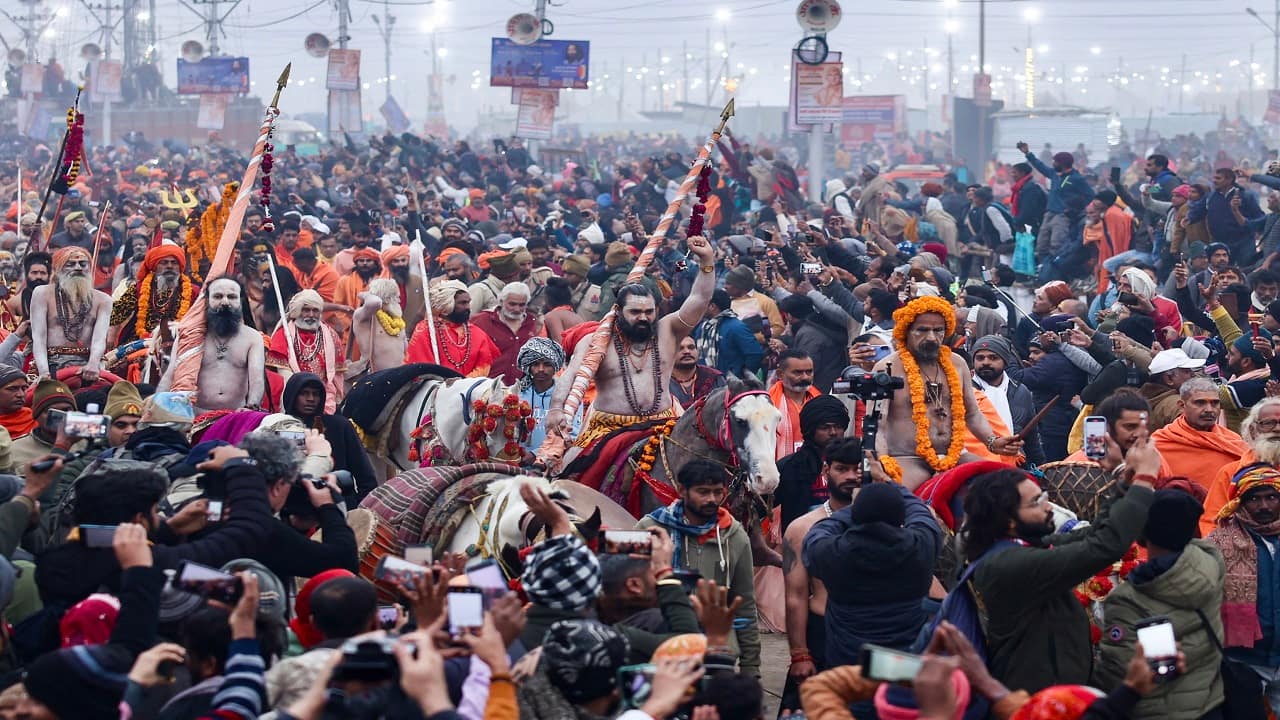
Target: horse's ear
590 527
511 560
732 382
751 382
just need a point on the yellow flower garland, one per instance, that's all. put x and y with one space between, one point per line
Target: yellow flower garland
392 325
142 326
903 318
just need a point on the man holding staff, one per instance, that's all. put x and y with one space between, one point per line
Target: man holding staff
632 380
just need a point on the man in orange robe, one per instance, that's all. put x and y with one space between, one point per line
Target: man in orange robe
1194 443
463 346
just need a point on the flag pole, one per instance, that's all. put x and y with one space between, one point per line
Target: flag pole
553 447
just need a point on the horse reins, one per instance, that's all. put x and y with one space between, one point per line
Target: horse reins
723 439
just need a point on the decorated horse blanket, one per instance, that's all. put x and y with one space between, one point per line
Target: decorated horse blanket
376 401
425 505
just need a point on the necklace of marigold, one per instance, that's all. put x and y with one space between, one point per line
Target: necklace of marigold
920 410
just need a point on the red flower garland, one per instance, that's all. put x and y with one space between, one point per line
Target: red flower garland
517 413
75 146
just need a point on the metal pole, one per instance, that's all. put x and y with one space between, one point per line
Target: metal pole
706 76
816 169
981 164
343 11
1275 57
212 30
106 55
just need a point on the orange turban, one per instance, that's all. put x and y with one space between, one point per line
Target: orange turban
395 252
448 253
63 255
367 253
163 252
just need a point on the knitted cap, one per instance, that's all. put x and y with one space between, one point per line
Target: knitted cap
47 393
122 400
576 264
617 255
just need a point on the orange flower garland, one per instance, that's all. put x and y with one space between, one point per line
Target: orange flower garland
212 221
649 453
143 324
903 318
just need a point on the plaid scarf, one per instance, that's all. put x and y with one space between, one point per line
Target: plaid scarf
1233 537
671 517
709 340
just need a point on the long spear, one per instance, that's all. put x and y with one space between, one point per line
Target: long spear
103 219
189 341
552 448
57 169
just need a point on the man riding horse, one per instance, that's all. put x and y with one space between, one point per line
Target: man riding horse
632 380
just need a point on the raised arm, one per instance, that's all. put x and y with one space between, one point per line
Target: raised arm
370 304
683 321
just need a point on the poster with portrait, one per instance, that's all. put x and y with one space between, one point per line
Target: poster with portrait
817 92
543 64
213 111
344 70
537 113
105 78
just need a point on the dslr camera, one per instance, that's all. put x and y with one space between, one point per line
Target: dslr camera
368 660
866 385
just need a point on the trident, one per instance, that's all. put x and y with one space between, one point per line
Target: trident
184 200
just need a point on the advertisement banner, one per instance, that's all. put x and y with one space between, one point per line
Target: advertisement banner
544 64
393 114
105 79
344 70
817 92
213 111
537 113
1272 115
867 118
344 112
213 75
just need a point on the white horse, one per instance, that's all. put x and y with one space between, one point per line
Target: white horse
500 522
442 413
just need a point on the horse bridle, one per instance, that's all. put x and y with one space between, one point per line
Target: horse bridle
723 439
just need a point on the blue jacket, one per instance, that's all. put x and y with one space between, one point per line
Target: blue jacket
1222 222
1068 194
1054 375
876 577
739 351
1265 652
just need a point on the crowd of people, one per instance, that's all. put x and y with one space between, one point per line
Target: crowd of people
176 518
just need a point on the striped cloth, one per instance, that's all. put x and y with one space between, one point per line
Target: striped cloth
418 504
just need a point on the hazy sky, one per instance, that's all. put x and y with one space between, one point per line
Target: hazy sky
1086 39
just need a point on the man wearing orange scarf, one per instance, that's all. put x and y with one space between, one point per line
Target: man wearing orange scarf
15 416
1194 443
1260 432
793 389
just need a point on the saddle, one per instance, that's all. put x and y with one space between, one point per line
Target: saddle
376 401
423 505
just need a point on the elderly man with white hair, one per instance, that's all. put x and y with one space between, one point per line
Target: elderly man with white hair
379 328
509 325
306 344
1141 285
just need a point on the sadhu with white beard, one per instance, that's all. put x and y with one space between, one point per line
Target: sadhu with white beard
69 319
162 293
315 346
1261 432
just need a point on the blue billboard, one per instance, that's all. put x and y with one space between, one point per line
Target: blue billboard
544 64
213 75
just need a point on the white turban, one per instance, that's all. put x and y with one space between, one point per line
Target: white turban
304 298
1142 284
442 295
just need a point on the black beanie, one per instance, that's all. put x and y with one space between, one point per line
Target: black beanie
879 502
82 682
1138 328
1173 519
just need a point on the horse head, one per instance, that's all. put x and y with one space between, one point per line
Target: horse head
752 422
515 526
490 422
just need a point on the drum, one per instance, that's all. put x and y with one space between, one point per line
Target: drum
1077 486
382 542
364 525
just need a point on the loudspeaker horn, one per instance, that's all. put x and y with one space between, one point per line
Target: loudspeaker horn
818 16
524 29
316 44
90 52
192 51
17 56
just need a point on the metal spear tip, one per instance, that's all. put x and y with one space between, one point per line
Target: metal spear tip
728 111
284 76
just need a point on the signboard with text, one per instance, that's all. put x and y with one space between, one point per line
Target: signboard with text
544 64
213 75
867 118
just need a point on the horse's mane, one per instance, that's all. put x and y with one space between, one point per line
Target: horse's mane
737 385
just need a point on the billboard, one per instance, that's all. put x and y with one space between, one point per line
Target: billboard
544 64
344 70
867 118
213 75
537 114
817 92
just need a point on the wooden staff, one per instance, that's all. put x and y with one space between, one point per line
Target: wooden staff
416 248
103 220
552 448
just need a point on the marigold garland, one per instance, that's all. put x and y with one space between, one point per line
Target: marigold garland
204 245
391 324
649 453
903 318
142 327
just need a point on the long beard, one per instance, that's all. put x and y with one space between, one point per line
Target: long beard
927 351
400 273
459 316
639 332
308 324
224 321
366 274
77 289
166 281
1033 531
1267 449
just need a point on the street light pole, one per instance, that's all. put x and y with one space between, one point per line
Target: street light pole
1274 28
